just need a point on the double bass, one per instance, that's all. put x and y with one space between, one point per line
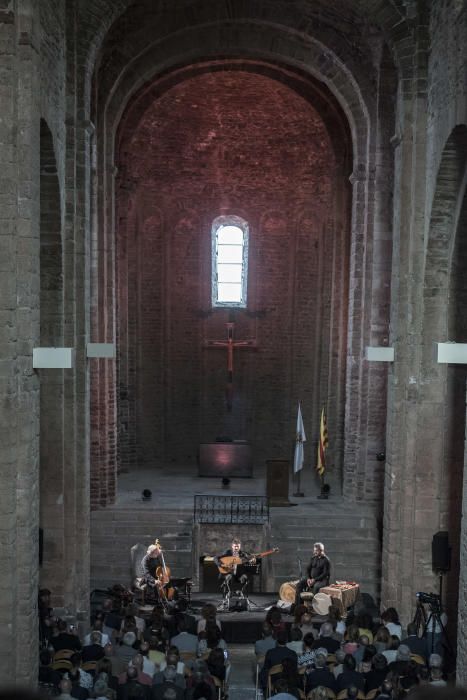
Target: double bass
163 576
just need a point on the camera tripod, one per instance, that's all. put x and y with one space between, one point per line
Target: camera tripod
432 624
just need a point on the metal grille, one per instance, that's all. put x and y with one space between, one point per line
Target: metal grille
231 509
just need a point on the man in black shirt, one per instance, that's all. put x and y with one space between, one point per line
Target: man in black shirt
318 572
232 574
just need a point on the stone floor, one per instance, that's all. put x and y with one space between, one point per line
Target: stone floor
242 677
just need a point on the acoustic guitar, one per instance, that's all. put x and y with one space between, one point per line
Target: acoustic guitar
229 564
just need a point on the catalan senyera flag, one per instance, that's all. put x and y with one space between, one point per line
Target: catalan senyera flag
322 444
300 438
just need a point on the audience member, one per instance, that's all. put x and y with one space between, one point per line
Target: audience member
282 691
85 678
382 639
267 640
168 680
296 640
172 661
391 651
98 626
321 675
377 674
94 650
184 640
390 619
364 622
326 639
276 656
66 637
132 689
307 658
349 675
416 644
137 663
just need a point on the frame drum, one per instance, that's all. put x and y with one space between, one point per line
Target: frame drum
288 590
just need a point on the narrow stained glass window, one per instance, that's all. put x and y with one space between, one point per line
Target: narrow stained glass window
229 261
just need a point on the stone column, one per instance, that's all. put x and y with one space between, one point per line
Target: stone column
19 332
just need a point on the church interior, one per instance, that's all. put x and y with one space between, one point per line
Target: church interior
217 214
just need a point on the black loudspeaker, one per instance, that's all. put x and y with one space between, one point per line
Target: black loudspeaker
238 604
441 552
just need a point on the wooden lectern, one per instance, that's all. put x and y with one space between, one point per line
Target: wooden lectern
277 481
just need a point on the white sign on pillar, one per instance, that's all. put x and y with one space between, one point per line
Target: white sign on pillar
379 354
452 353
100 350
53 358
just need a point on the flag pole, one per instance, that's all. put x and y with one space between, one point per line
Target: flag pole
298 493
299 440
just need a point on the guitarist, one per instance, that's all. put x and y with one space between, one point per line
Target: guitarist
232 578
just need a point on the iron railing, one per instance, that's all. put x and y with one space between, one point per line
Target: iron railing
230 509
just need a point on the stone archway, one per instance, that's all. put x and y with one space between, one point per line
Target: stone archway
360 115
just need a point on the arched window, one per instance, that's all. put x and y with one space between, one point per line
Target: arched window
229 261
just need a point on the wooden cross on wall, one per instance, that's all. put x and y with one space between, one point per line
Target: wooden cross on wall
231 345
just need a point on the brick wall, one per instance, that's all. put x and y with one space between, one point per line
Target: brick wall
227 143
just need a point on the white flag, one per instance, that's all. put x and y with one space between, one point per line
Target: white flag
299 440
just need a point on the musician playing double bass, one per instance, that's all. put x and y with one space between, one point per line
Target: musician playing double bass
150 563
234 577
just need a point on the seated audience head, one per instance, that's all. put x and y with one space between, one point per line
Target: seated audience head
340 656
144 648
100 688
363 640
379 662
172 659
96 637
390 615
104 666
326 629
435 661
61 625
137 661
394 642
319 693
131 673
308 640
65 686
320 659
281 637
382 635
129 638
349 662
352 634
352 692
202 691
281 686
75 660
296 634
403 653
266 629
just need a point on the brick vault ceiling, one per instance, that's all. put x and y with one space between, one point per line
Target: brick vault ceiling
349 18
